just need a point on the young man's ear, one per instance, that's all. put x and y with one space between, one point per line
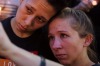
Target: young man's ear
88 39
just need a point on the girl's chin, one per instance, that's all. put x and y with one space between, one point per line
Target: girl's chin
65 62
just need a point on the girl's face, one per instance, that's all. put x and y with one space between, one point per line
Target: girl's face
33 14
65 42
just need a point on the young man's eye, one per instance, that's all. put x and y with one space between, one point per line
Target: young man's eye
29 11
40 20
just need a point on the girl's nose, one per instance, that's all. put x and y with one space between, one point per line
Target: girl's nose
57 44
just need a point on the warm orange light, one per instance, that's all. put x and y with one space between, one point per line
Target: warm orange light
94 2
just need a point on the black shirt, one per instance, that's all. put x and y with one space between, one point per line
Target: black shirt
36 43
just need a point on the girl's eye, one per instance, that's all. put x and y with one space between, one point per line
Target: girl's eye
64 36
51 38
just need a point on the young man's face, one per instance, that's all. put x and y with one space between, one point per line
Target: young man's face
33 14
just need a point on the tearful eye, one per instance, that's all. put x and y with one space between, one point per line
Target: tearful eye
64 36
51 37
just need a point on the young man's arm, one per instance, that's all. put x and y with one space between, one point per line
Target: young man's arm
18 55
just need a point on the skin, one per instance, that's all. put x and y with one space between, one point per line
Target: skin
31 15
66 44
22 58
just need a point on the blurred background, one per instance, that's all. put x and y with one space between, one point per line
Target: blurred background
8 8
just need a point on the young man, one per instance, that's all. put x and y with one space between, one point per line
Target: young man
24 29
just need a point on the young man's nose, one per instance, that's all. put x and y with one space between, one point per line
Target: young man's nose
29 20
56 44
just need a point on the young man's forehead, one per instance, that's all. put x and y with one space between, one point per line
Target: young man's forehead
37 1
42 8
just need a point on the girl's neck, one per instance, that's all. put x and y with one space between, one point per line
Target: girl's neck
82 60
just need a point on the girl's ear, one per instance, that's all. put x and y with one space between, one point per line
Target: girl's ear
88 40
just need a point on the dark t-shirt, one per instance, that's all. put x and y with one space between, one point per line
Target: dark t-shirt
36 43
30 43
